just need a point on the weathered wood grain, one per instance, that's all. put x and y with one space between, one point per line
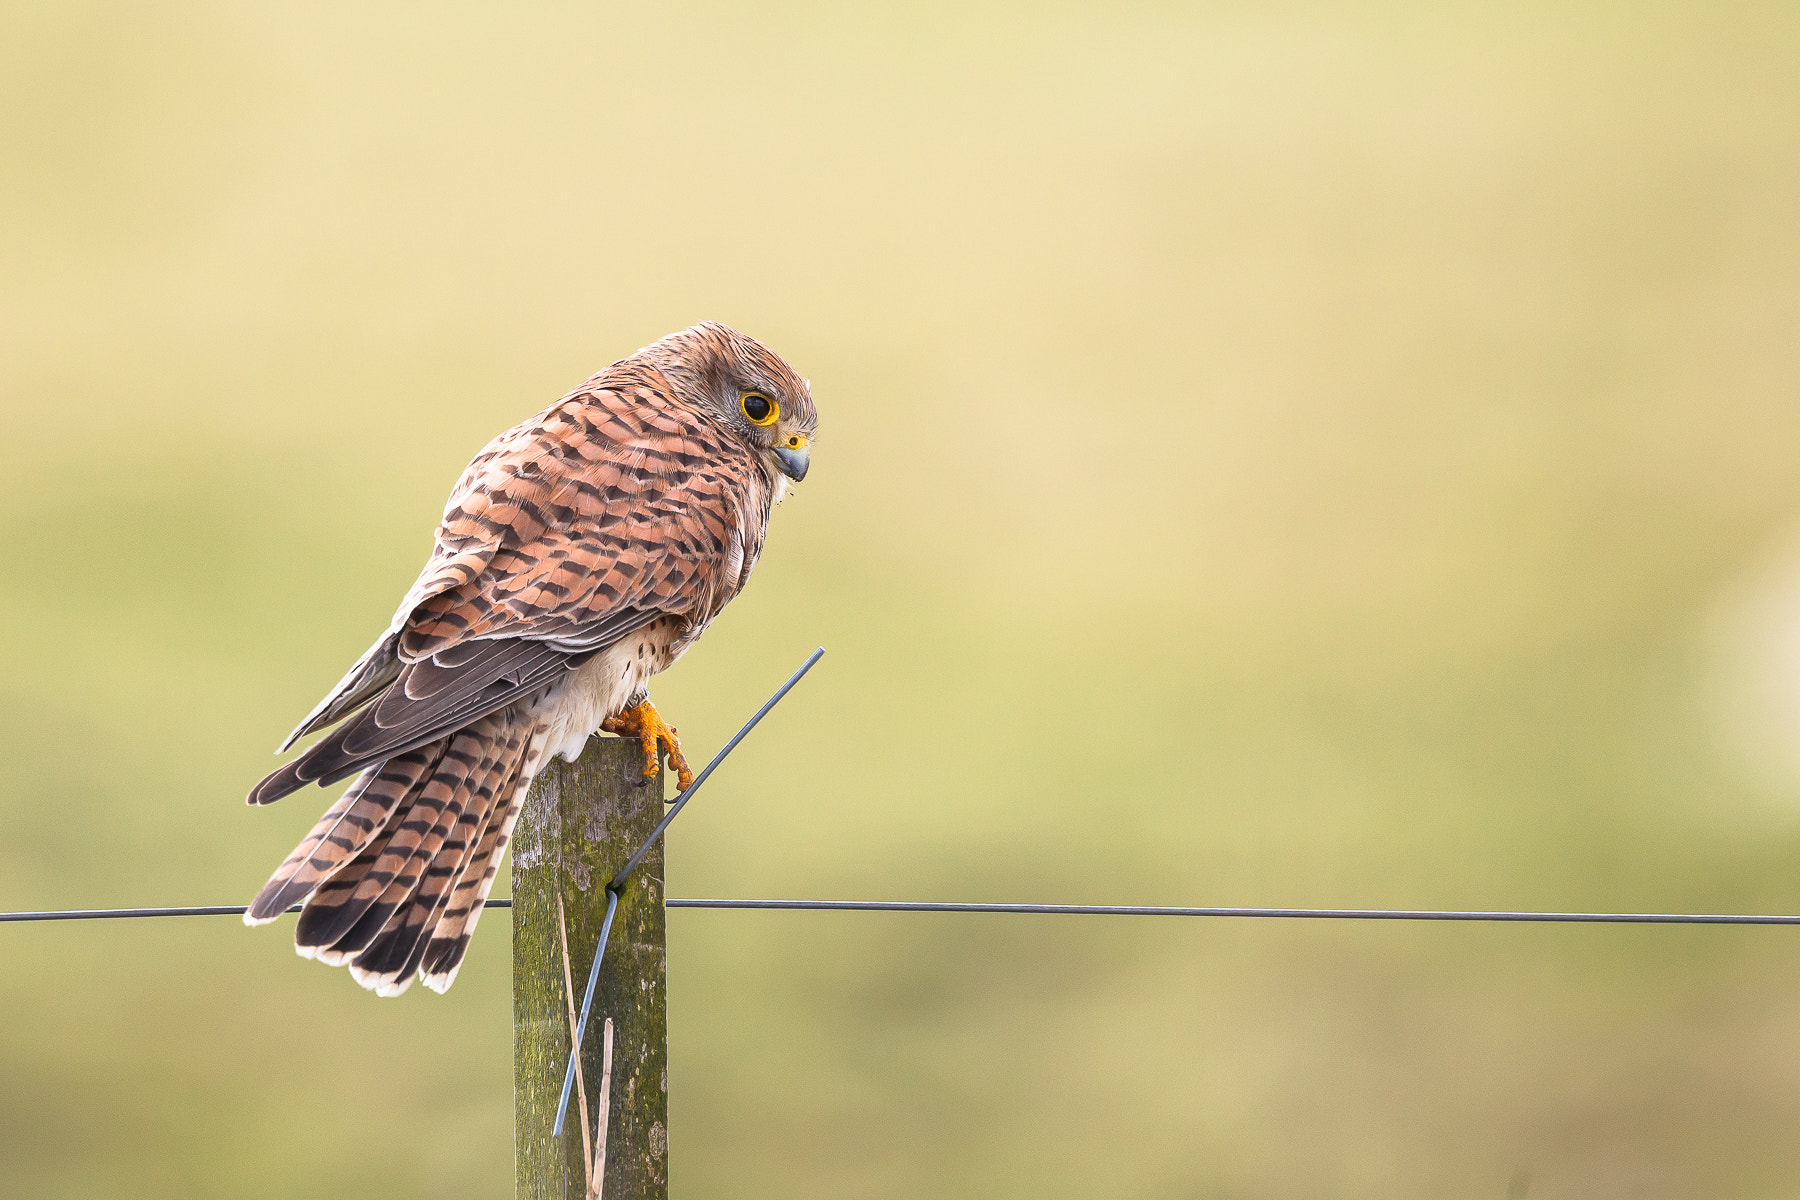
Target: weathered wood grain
581 821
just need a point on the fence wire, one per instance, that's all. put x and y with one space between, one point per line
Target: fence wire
1077 910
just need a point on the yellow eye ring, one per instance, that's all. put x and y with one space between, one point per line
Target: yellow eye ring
758 409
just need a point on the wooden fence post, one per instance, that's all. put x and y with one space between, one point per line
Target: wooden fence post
581 821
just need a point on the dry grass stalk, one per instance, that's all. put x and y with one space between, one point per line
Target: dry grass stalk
562 924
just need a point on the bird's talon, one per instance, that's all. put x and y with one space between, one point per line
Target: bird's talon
684 774
657 736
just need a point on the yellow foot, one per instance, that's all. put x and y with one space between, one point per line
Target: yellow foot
643 722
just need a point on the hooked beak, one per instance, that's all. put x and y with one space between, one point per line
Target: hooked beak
794 459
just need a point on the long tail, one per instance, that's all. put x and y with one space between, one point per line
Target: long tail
393 877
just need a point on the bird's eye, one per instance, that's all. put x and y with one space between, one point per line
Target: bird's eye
759 408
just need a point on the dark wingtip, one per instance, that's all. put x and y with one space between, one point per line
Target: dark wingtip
274 900
443 953
348 926
276 784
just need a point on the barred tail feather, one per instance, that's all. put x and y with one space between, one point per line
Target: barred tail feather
345 925
396 874
358 818
327 927
386 965
449 940
392 861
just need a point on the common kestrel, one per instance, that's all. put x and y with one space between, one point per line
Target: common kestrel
581 553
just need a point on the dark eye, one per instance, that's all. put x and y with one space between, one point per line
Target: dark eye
759 408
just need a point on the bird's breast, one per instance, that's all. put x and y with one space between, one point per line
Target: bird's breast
572 710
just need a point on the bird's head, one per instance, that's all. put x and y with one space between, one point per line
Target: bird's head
746 387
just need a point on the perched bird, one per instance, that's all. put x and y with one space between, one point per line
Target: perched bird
581 553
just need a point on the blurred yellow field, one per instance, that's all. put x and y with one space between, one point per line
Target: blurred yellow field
1287 455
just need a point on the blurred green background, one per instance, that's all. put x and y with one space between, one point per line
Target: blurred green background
1296 454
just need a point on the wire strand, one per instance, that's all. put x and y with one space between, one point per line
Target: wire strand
1080 910
618 880
616 885
1341 914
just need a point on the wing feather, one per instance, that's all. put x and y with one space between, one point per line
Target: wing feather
616 506
614 500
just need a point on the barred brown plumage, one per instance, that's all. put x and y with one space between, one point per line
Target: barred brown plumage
581 552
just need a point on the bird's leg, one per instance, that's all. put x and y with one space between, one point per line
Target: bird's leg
640 720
